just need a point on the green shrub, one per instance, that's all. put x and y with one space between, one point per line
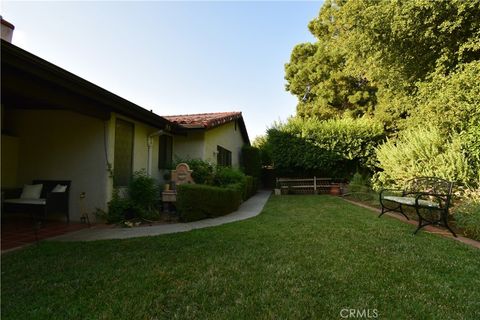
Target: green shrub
227 175
422 151
119 208
251 161
239 188
359 183
203 171
261 143
251 186
141 200
195 201
467 217
451 102
467 213
144 194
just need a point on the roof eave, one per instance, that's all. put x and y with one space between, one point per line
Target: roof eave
30 63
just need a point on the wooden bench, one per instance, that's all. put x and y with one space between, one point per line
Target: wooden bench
430 196
310 185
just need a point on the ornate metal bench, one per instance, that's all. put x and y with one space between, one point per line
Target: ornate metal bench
430 196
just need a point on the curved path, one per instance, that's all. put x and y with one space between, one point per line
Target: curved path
250 208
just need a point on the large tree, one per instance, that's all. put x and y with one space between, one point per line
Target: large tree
370 56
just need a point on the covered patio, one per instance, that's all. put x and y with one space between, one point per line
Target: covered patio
19 230
57 126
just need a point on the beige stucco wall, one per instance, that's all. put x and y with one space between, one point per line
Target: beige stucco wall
189 146
61 145
203 144
140 149
227 136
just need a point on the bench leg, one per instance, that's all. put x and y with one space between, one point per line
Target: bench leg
420 224
383 211
445 223
403 213
397 209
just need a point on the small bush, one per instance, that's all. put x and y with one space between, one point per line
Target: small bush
467 214
359 183
144 194
141 200
468 218
196 202
119 208
226 175
422 152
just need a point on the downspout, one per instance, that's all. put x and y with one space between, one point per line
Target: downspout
149 148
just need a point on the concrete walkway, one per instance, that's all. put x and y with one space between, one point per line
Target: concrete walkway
250 208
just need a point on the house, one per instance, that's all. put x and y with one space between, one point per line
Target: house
214 137
58 126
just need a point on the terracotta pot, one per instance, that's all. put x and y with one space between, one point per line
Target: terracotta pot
335 190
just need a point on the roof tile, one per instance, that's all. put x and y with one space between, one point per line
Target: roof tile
204 120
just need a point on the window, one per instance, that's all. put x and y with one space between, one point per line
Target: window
165 148
224 157
123 157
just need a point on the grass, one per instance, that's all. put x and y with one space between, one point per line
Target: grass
303 257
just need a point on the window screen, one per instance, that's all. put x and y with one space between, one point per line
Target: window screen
224 157
123 157
165 148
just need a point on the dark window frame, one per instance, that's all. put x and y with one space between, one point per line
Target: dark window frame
224 157
122 179
165 152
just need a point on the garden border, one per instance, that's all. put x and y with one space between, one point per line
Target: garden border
429 229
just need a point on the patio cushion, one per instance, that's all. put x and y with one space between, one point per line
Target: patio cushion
59 188
411 201
31 191
26 201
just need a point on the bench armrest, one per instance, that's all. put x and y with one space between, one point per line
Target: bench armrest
12 193
57 201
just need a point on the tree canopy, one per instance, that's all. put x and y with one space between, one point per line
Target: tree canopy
372 57
411 67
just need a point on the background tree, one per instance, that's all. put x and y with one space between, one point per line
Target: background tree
371 56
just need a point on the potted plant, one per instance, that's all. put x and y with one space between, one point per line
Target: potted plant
335 190
166 177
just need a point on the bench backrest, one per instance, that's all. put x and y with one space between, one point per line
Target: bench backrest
48 186
431 185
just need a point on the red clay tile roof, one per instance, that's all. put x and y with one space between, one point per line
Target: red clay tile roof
204 120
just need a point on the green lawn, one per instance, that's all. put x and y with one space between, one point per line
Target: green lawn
303 257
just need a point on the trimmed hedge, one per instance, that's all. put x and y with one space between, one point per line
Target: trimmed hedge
196 201
332 148
251 186
251 161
